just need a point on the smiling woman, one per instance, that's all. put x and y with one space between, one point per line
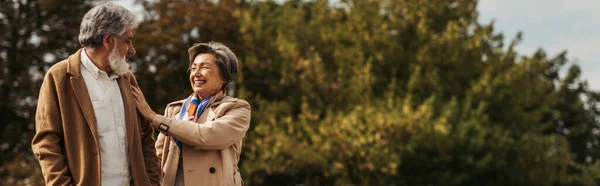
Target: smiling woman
205 77
212 67
206 129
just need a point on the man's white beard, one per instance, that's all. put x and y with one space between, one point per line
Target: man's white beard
118 65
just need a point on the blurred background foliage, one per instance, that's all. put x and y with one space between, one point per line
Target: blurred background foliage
350 92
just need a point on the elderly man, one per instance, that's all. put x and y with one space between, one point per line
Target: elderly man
88 131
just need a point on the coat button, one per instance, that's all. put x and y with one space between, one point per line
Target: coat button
212 170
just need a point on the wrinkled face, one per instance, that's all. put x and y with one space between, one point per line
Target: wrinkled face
118 65
121 50
124 44
205 76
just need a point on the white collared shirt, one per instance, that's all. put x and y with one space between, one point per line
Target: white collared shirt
110 121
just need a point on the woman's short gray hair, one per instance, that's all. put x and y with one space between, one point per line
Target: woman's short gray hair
102 19
224 57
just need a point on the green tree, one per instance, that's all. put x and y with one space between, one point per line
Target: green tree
33 36
382 92
477 114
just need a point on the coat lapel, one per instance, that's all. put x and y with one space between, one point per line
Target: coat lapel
208 112
128 106
203 116
81 92
83 98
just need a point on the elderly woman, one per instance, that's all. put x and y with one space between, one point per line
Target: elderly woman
201 136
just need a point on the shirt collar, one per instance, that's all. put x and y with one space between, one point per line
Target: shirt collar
92 68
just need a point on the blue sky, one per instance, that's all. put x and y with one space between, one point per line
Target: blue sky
554 25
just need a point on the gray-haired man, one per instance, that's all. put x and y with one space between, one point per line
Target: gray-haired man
88 131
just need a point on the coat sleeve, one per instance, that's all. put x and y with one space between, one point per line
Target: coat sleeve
148 149
160 142
212 135
47 143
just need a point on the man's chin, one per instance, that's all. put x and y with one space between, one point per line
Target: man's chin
120 69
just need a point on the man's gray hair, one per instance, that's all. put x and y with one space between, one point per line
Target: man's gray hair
107 18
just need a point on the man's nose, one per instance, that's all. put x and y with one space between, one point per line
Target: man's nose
131 51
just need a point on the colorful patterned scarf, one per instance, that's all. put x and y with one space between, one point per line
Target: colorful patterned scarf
194 108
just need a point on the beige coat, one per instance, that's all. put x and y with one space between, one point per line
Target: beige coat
211 145
65 141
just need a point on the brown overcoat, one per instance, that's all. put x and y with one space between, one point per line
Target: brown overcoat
66 142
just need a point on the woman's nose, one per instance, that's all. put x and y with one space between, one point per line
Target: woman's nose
197 73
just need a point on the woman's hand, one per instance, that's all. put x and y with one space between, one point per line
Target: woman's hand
142 105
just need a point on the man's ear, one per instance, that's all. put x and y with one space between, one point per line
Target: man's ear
106 40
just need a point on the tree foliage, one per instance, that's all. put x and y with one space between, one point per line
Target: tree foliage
366 92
